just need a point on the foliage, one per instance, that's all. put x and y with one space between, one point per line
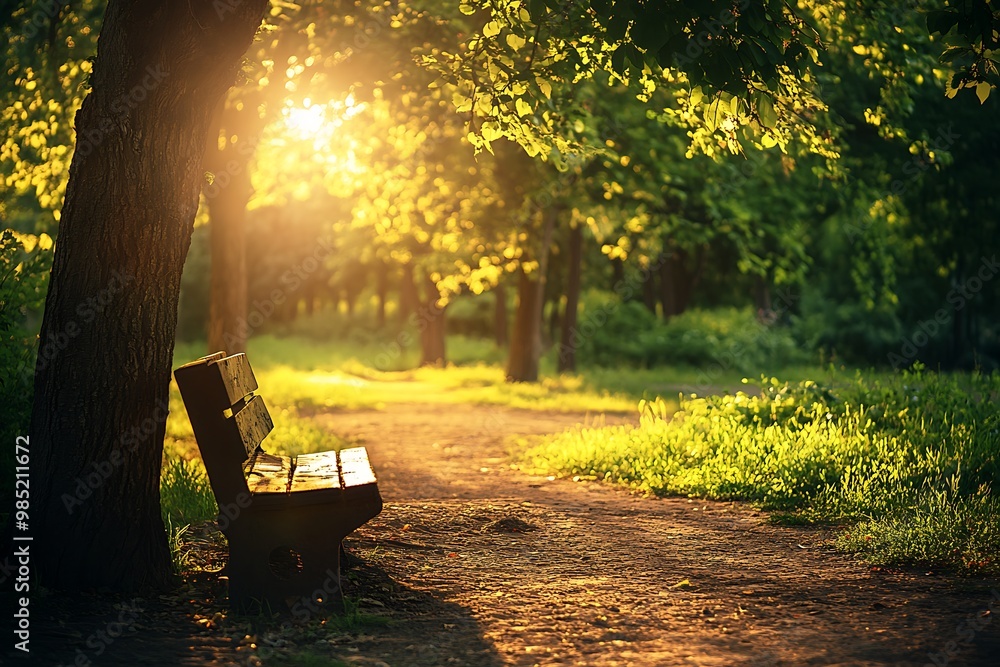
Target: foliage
24 264
908 460
629 332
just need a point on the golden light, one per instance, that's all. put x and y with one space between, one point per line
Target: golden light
318 122
305 122
310 147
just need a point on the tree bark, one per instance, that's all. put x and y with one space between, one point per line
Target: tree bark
568 340
409 298
762 296
101 391
382 287
431 324
554 319
649 292
668 296
526 343
500 325
617 273
229 149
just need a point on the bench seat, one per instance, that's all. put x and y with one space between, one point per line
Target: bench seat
321 477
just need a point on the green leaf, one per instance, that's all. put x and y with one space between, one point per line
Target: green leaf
618 59
983 91
765 111
491 29
715 114
696 96
941 21
515 41
544 86
953 52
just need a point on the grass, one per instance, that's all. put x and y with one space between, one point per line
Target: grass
907 462
301 376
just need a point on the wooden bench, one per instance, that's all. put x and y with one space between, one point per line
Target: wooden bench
284 517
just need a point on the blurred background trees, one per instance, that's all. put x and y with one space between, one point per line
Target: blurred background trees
526 173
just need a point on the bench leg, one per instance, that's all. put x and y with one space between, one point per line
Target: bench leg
276 574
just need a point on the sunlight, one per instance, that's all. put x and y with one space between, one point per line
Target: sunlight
318 122
305 122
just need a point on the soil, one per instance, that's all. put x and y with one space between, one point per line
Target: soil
473 562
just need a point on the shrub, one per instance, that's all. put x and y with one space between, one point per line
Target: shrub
909 459
611 332
24 265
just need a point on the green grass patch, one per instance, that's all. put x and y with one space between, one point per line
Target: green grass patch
908 461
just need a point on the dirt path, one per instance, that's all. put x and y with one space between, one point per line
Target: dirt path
477 564
493 567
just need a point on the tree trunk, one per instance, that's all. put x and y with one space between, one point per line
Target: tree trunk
431 324
500 325
409 298
227 197
382 287
762 296
553 329
100 402
649 292
668 296
617 273
568 341
228 328
526 343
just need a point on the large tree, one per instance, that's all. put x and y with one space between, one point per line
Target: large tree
101 401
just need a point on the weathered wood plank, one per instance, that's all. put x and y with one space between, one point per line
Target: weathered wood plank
205 400
316 472
267 473
254 423
355 467
207 359
237 376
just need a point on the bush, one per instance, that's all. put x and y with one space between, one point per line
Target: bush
612 332
24 270
909 460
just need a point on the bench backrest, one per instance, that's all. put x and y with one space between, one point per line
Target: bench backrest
229 420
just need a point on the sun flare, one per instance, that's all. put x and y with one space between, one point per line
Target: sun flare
318 122
305 122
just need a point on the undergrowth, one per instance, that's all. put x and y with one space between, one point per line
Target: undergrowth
907 463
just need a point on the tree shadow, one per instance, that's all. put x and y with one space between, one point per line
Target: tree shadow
387 623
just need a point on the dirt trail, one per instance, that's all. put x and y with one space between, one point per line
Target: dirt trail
498 567
477 564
